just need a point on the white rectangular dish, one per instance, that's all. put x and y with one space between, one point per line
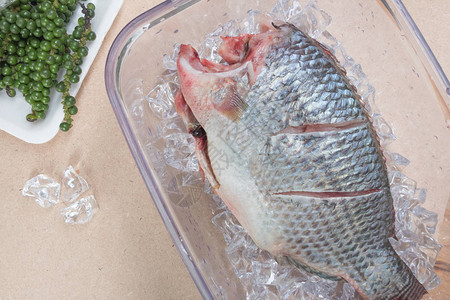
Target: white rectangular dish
13 111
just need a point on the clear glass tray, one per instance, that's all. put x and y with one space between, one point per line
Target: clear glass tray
412 93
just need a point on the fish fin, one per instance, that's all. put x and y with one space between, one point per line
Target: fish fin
391 275
201 151
413 292
313 271
329 53
336 63
282 260
227 100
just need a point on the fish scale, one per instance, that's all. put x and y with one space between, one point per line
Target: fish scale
262 116
344 161
306 102
306 175
304 223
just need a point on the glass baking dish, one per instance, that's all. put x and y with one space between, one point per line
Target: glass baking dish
378 35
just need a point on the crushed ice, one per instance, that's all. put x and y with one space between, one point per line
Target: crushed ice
81 211
259 273
46 192
43 189
73 185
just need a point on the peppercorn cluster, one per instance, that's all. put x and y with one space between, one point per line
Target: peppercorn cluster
37 53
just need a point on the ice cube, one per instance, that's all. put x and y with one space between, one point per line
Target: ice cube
170 61
169 126
310 19
384 131
429 219
421 195
344 291
73 185
180 152
224 222
81 211
399 159
184 193
264 271
262 291
433 282
241 265
367 93
319 288
138 111
43 189
161 99
289 279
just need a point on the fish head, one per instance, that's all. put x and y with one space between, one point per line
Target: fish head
213 90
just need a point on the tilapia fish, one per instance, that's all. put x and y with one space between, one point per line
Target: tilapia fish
305 174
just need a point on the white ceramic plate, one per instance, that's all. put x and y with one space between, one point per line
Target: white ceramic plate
13 111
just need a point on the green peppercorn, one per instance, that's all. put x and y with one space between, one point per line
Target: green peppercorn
31 117
69 101
74 78
91 36
64 126
35 46
72 110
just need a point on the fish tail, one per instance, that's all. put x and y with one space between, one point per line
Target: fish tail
414 291
392 281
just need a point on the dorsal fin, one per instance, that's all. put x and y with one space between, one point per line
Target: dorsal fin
329 53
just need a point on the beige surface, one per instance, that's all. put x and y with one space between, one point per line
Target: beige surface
125 252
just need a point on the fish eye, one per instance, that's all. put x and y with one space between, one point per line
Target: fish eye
246 46
198 132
